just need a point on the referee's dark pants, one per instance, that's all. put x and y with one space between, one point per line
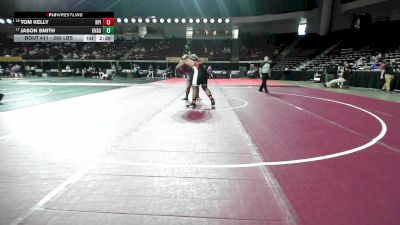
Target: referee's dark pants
264 82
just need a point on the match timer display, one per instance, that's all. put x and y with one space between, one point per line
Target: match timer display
64 27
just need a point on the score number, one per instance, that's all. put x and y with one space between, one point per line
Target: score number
108 30
108 21
108 25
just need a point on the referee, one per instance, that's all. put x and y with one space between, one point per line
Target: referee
265 73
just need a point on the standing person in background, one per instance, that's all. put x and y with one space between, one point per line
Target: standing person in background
389 75
150 72
157 70
381 66
347 73
265 72
210 71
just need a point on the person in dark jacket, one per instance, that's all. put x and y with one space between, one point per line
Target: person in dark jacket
330 72
389 75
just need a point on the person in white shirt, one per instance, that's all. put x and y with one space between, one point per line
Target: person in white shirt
338 81
265 72
150 72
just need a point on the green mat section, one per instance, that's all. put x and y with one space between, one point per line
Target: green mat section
20 93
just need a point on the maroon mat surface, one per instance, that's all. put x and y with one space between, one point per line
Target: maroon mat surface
361 188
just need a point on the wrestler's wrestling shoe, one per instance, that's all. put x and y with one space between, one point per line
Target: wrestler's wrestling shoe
191 105
187 98
212 102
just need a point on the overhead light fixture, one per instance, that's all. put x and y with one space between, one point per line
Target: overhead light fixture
176 20
219 20
154 20
140 20
183 20
161 20
2 21
147 20
169 20
133 20
190 20
227 20
119 20
205 20
212 20
197 20
126 20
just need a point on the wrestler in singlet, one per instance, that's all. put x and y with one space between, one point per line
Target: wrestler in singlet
200 78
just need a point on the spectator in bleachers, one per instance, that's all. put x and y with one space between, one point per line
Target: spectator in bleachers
360 62
374 66
276 52
378 57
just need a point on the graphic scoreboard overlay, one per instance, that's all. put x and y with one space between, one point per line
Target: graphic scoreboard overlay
63 27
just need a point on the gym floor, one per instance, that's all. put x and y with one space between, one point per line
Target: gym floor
82 151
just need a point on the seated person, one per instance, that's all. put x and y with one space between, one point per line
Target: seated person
104 76
330 72
317 76
338 82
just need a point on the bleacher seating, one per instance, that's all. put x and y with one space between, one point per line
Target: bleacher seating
288 51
